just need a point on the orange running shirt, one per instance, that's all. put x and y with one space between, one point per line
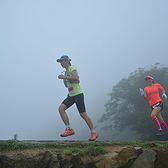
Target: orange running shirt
152 93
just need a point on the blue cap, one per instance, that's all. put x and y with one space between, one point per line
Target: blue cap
64 57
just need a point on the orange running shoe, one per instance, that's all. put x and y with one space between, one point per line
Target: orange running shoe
67 132
94 135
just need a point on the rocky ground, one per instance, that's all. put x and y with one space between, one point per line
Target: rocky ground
83 154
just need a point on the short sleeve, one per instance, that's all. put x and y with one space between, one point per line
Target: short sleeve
71 68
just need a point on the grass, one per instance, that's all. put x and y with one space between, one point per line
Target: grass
91 148
15 145
94 150
74 151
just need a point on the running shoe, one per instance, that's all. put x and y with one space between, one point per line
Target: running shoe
160 133
94 135
67 132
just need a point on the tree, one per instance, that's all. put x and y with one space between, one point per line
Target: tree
126 109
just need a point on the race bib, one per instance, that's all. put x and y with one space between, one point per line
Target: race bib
71 89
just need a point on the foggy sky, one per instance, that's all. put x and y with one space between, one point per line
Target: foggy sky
106 40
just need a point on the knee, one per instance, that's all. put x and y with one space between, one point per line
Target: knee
153 116
83 115
62 108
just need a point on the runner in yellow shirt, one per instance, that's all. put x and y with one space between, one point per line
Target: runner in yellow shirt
75 95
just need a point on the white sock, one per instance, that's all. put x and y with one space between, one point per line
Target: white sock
68 127
93 130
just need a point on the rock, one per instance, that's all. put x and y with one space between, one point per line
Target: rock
146 159
76 160
65 161
107 161
117 159
161 158
139 150
126 154
50 160
22 160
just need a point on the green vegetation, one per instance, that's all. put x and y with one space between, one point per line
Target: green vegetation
74 151
15 145
92 148
57 150
15 137
95 150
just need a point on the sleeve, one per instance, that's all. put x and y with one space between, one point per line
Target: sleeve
71 68
160 87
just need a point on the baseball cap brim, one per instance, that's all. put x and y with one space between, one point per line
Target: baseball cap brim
59 60
148 77
63 58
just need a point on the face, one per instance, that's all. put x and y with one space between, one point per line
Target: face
149 81
63 63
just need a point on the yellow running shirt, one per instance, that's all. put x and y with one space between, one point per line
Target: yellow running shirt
73 88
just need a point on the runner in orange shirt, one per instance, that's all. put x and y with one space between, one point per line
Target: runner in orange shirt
151 93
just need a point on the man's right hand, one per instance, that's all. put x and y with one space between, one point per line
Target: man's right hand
61 76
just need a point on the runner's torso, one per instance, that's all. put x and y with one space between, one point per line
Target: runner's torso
73 87
152 93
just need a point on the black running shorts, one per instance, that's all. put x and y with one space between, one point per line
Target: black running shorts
78 100
160 104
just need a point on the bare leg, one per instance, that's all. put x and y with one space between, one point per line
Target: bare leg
87 120
162 122
154 115
156 111
63 114
160 118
